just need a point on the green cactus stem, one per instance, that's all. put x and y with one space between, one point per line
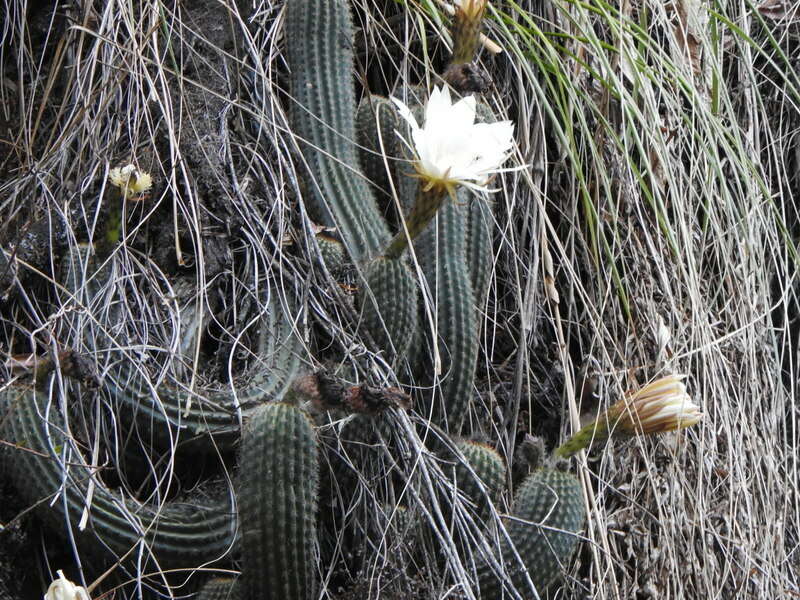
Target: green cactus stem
208 414
490 470
220 588
379 148
332 252
43 462
278 483
478 249
548 516
319 49
441 251
168 410
392 287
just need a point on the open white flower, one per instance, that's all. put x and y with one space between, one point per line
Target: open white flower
451 149
63 589
130 180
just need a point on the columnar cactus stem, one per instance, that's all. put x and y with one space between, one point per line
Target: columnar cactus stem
279 479
44 462
320 53
389 305
489 469
441 252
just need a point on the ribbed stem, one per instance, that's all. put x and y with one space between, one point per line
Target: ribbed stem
319 44
549 515
389 305
279 480
479 244
489 469
43 462
160 413
441 251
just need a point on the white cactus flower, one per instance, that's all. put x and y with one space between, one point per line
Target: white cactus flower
661 405
451 148
63 589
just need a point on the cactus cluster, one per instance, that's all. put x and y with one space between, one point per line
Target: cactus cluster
271 526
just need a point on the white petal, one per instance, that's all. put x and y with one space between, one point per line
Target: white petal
463 111
451 145
405 112
438 105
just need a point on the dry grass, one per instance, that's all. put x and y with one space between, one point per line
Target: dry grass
653 232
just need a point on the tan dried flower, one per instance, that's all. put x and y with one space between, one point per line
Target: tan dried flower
661 405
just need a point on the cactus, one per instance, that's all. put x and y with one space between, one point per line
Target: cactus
549 513
332 252
377 120
489 468
455 255
478 249
214 412
319 49
441 251
319 36
220 588
277 495
43 462
167 410
390 286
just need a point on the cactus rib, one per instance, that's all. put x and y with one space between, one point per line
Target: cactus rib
489 469
43 461
279 478
549 514
319 49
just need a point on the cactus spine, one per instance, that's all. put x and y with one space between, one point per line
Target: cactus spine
279 477
549 513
